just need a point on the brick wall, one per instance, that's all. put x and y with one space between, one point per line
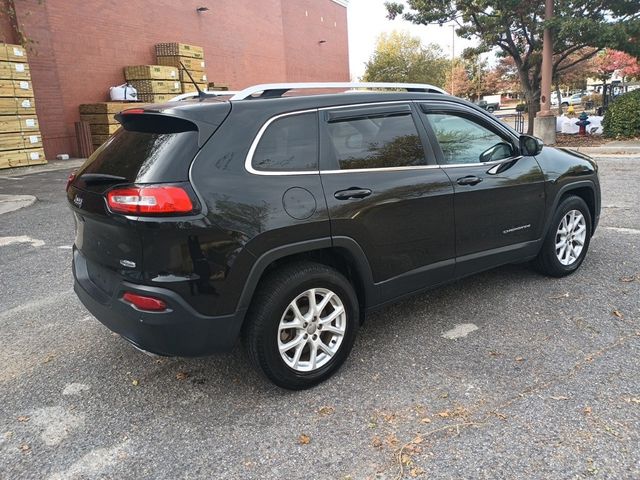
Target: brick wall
80 47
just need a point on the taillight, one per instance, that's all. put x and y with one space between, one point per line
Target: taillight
156 199
70 179
142 302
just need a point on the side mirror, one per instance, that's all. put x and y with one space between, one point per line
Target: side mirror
530 146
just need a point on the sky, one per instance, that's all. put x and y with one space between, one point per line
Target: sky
367 19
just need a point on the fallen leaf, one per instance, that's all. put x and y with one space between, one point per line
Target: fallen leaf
303 439
494 353
406 459
633 400
392 440
627 279
501 416
425 420
519 359
444 414
587 410
182 375
416 471
326 410
376 442
135 382
24 447
617 313
23 418
48 358
417 440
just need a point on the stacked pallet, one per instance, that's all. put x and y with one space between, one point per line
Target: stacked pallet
20 139
181 56
154 83
101 119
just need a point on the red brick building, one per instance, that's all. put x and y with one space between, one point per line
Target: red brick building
79 47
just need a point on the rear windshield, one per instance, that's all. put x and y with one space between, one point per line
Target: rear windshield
148 149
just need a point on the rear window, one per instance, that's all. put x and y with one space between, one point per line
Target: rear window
148 149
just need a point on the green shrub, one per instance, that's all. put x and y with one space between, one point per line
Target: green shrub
622 118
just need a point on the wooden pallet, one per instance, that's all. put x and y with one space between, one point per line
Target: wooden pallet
155 98
193 64
15 141
156 86
17 106
14 71
16 88
179 49
108 129
107 107
150 72
22 157
190 87
13 53
19 123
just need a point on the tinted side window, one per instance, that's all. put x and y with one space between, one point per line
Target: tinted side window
464 141
376 142
289 144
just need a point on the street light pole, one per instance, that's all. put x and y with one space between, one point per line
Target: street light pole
544 125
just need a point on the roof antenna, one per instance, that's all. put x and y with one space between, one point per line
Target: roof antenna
201 95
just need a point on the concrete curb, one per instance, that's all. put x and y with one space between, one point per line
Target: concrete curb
48 167
11 203
605 150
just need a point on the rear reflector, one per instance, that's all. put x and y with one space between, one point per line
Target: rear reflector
142 302
70 179
133 111
150 200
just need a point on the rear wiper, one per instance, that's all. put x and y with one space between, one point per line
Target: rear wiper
96 178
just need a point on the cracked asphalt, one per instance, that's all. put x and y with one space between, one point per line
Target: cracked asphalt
539 380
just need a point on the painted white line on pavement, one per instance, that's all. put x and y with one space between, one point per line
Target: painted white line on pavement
632 231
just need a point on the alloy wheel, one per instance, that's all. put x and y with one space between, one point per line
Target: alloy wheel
570 237
311 329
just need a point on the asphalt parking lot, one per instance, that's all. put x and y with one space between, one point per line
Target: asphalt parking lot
507 374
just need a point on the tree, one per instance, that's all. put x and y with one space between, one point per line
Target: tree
516 27
400 57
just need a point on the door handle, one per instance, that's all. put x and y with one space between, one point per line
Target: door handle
469 180
353 192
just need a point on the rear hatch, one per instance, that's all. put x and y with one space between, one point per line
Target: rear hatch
142 171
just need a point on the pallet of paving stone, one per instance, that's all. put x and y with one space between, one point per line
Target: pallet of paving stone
19 123
192 64
217 86
13 53
14 71
179 50
17 106
156 86
150 72
22 158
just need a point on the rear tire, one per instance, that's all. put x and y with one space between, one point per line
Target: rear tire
309 307
567 241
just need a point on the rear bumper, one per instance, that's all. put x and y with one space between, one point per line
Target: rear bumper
179 331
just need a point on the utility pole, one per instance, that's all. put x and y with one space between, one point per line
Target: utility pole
544 125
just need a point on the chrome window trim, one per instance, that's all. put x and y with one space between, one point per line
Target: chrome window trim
248 163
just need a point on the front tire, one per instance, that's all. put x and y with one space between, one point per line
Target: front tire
567 241
302 324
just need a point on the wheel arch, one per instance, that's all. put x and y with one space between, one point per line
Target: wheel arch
584 189
341 253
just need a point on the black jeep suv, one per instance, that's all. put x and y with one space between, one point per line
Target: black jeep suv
284 219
